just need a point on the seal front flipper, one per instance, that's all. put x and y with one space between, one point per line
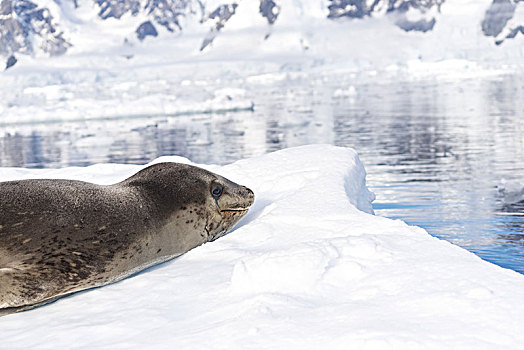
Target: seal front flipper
24 289
28 281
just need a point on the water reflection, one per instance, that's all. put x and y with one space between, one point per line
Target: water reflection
435 151
219 139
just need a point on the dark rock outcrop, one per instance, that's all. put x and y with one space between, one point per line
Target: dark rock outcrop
397 9
146 29
270 10
11 61
117 8
497 16
219 17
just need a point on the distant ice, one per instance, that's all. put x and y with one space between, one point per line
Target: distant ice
69 102
512 192
309 267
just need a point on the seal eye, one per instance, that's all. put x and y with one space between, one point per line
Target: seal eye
217 191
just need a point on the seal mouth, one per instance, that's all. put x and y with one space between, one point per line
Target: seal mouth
234 210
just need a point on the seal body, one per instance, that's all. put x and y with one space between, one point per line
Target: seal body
60 236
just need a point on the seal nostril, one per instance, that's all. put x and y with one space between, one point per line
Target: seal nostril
249 192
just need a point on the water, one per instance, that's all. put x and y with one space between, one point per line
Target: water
444 155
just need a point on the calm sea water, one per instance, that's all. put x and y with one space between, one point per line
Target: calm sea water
444 155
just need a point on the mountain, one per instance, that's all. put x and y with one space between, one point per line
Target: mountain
26 27
49 27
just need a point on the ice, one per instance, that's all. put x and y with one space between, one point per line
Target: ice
309 267
55 103
347 92
512 192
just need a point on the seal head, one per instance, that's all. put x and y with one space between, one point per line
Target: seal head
215 200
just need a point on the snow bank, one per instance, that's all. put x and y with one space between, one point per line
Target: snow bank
309 267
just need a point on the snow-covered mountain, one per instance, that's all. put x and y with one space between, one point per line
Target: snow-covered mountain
51 27
26 27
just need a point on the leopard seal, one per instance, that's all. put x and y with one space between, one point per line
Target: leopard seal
58 237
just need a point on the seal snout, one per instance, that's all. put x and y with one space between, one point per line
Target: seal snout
238 199
250 196
246 198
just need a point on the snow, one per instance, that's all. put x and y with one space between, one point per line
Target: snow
309 267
